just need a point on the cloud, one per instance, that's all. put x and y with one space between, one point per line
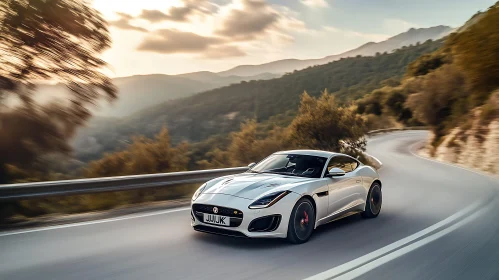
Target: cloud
169 41
174 14
124 23
153 15
223 52
315 3
253 19
216 31
180 13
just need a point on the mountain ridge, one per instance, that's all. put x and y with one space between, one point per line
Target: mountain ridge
412 36
141 91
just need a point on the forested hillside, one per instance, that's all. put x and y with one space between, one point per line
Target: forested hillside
222 110
410 37
142 91
454 91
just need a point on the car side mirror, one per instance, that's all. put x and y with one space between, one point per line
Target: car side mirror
335 172
251 165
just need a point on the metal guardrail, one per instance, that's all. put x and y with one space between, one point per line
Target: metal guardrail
385 130
109 184
122 183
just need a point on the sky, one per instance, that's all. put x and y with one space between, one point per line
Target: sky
181 36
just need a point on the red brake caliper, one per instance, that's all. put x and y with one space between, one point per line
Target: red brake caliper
306 217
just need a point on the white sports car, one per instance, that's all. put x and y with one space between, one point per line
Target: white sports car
287 195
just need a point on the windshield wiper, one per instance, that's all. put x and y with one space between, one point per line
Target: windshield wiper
271 172
281 173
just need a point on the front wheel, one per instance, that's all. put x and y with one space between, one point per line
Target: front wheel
373 202
301 222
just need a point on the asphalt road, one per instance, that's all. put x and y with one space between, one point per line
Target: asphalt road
437 222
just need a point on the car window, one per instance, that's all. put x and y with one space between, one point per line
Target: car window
291 164
344 163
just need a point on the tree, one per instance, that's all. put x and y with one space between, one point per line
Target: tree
443 93
321 124
476 52
395 105
427 63
242 143
143 156
48 40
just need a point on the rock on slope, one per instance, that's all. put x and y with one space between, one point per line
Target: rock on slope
477 144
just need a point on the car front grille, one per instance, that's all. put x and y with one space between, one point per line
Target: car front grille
236 216
219 231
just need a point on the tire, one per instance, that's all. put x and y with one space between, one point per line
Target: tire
373 202
301 222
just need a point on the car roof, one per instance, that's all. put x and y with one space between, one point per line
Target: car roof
317 153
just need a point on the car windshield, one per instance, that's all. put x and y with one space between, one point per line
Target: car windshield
291 164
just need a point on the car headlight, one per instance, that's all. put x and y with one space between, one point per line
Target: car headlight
198 192
268 200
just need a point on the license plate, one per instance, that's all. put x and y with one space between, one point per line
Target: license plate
216 219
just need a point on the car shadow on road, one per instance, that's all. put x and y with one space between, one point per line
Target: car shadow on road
243 243
272 243
338 224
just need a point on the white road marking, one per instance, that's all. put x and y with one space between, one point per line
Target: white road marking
96 221
411 247
397 246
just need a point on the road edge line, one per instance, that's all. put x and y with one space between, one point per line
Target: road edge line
410 247
397 245
117 219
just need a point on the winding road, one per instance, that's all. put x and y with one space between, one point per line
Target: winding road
437 222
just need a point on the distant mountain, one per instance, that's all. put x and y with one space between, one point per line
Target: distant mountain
411 37
220 80
142 91
136 93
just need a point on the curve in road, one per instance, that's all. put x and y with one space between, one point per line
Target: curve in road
444 218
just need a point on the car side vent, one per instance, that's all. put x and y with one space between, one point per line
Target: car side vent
321 194
265 224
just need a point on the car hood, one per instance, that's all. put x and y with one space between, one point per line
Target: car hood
251 186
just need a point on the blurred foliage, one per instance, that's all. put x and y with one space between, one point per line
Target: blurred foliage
387 106
442 98
427 63
476 52
246 147
20 210
490 110
143 156
57 41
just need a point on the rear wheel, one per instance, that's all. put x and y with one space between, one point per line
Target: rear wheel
302 221
373 202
